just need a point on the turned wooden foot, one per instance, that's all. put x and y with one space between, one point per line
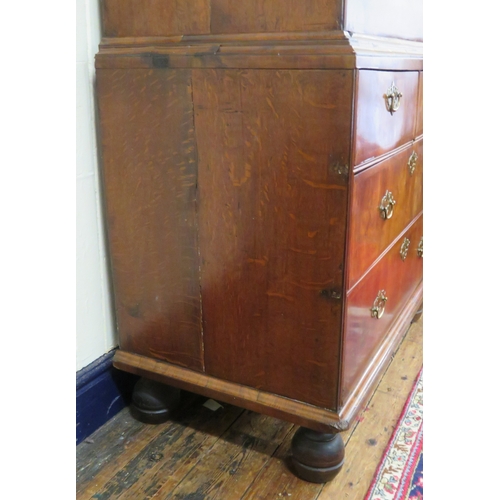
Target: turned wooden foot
317 456
153 402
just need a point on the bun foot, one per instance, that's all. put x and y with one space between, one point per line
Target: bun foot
317 456
153 402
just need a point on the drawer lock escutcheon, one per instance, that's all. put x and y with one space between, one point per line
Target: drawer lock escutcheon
393 98
420 248
379 305
387 205
412 162
403 251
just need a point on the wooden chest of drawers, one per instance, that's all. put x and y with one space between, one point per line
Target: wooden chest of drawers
263 184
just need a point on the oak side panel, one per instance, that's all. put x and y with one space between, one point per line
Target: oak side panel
155 17
377 130
365 333
273 198
369 234
149 171
261 16
390 18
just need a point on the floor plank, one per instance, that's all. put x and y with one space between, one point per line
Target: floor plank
236 454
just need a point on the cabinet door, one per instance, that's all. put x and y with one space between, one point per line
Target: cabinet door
149 171
273 146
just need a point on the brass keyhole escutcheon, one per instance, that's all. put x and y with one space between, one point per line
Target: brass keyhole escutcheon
412 162
420 248
379 305
403 251
393 98
387 205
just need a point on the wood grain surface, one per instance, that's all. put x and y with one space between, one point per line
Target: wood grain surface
273 148
377 130
364 333
369 233
149 172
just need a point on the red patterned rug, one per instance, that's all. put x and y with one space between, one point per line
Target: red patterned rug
400 474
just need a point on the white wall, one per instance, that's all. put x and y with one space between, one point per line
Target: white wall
95 332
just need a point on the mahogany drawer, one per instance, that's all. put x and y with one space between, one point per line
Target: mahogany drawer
397 279
370 234
379 130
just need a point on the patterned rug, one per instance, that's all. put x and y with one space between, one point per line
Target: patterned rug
399 475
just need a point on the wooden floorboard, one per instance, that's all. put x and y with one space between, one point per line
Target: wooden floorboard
231 454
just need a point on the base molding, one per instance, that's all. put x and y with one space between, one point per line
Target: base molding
297 412
101 392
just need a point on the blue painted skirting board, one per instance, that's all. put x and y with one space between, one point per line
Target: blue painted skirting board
101 392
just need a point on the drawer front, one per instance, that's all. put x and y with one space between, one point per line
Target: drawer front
396 277
380 127
370 233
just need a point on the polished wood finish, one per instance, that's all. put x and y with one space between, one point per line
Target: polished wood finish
377 130
246 148
364 333
370 234
272 213
149 172
317 457
310 416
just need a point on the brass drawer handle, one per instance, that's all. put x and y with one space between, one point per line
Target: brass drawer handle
393 98
387 205
403 251
420 248
379 305
412 162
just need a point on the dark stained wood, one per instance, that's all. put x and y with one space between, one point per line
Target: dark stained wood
369 234
297 412
152 402
176 447
236 16
230 466
377 131
317 457
385 18
273 150
149 171
364 333
155 17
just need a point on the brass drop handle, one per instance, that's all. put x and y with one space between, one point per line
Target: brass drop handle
387 205
403 251
379 305
412 162
420 248
393 98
